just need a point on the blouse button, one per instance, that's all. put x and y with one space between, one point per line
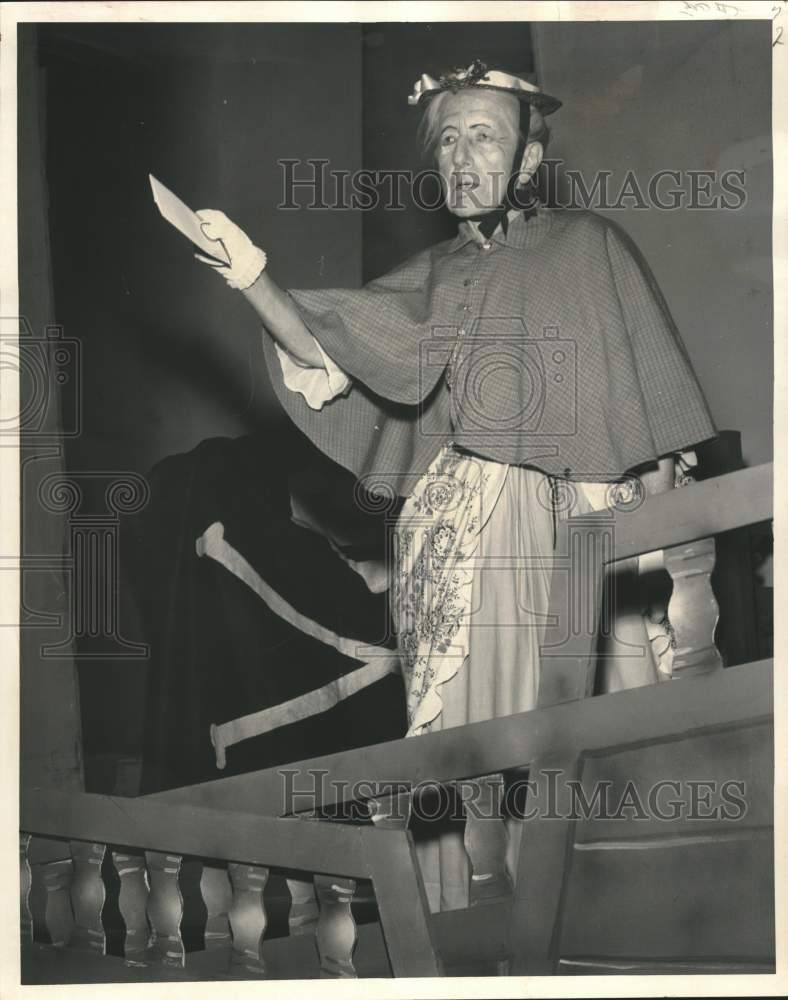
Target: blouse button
486 246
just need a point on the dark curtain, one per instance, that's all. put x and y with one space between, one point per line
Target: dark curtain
217 651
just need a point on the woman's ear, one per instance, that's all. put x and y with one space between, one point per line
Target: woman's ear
532 157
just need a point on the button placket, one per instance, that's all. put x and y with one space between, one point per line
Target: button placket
469 284
469 308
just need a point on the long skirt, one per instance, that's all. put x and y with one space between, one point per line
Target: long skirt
475 545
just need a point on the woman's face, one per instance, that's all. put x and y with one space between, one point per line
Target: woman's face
477 139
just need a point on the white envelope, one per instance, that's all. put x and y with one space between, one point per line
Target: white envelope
186 221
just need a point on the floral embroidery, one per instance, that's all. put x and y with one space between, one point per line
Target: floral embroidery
437 534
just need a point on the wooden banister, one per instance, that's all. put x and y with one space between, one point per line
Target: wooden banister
386 857
205 821
682 524
698 511
707 707
185 829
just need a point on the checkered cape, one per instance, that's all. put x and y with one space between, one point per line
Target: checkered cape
560 352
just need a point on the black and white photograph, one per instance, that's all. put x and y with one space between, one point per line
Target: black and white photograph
387 582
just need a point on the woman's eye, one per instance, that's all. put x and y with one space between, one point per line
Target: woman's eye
484 136
447 140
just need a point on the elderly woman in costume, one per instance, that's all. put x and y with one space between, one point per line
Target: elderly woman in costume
531 351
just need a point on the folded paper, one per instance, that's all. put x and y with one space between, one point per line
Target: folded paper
186 221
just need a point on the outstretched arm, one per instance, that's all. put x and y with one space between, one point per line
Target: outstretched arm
282 320
246 273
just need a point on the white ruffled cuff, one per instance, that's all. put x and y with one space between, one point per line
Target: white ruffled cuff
317 385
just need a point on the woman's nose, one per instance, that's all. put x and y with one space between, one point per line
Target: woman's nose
461 158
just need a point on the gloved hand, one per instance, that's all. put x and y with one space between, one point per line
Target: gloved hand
247 261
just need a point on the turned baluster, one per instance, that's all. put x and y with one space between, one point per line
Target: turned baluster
87 896
303 907
693 610
58 917
25 885
248 918
485 838
133 901
217 895
336 928
165 909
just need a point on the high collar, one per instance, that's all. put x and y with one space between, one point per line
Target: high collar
524 230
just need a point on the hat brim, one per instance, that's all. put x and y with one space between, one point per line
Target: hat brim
542 102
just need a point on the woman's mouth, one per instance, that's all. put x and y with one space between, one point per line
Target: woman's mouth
463 183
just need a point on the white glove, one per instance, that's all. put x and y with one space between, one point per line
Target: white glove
247 261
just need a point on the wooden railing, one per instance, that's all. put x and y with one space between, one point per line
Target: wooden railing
237 852
682 524
522 929
716 724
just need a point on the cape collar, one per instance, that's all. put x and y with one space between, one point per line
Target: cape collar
520 230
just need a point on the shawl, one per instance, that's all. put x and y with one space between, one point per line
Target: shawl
561 354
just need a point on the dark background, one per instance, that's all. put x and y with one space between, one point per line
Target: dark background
171 357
